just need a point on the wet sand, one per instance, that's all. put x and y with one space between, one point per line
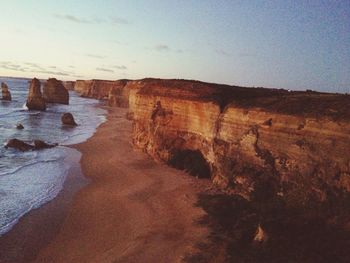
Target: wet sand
133 209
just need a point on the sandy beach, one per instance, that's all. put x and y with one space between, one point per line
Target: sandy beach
132 210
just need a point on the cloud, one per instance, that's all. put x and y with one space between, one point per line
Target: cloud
74 19
33 68
120 43
165 48
105 70
121 67
12 66
161 47
95 56
223 52
243 54
82 20
119 21
57 73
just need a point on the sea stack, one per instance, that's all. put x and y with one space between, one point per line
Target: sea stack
68 119
55 92
6 95
35 99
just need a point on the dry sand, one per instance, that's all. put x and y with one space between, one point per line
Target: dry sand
133 210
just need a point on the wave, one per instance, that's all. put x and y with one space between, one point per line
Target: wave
29 188
25 165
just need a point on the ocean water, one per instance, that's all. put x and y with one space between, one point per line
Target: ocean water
30 179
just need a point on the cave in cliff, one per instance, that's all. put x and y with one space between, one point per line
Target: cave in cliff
191 161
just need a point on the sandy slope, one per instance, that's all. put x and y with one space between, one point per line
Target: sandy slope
134 210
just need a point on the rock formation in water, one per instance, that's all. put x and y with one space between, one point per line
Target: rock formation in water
6 94
55 92
35 100
39 145
19 126
23 146
19 145
68 119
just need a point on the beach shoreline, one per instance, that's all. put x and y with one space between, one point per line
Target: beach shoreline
133 208
39 226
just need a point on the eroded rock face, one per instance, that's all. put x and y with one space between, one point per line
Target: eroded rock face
68 119
116 92
98 89
69 85
118 96
35 100
55 92
259 142
6 94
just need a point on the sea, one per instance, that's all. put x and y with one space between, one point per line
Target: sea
30 179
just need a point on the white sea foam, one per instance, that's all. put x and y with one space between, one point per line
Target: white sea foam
31 186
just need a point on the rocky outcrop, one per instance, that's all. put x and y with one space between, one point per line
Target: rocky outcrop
68 119
35 100
257 142
55 92
6 95
23 146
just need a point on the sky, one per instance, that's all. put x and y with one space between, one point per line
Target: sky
277 44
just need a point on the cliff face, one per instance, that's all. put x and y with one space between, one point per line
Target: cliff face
254 141
118 95
101 89
69 85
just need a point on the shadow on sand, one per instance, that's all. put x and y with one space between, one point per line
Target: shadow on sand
314 233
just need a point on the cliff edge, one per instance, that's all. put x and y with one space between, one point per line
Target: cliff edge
256 142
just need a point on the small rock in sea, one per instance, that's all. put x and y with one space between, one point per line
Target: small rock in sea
23 146
19 126
19 145
68 119
38 145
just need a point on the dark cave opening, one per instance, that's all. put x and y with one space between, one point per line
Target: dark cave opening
191 161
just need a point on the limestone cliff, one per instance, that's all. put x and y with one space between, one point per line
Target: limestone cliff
69 85
252 140
99 89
